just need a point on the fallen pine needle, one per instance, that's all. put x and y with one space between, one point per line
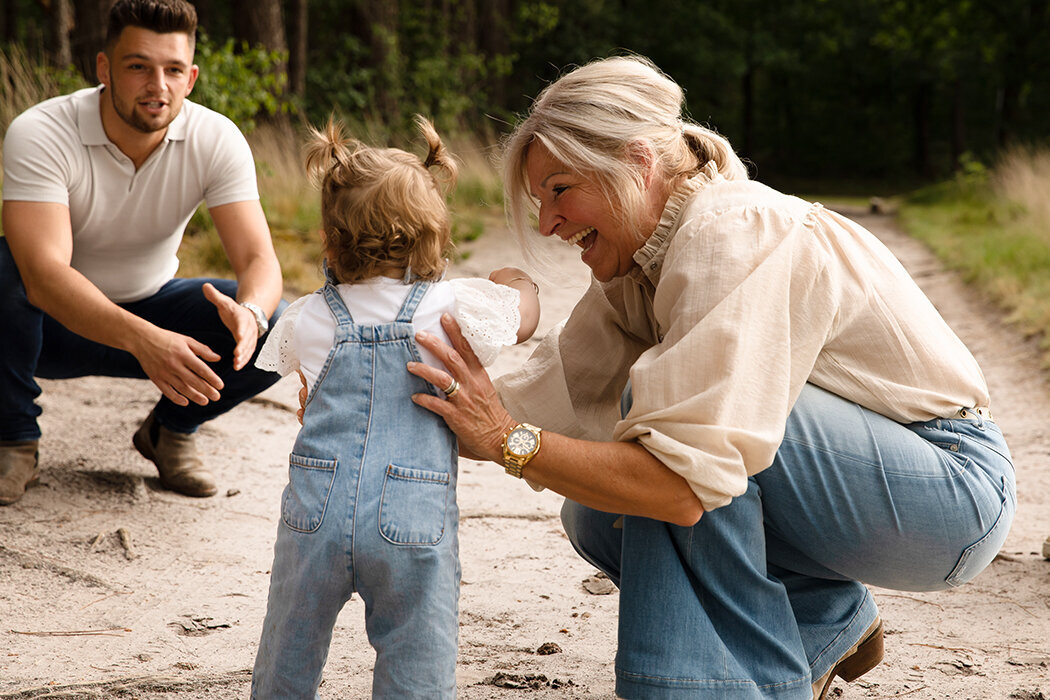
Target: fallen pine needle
75 633
908 597
106 597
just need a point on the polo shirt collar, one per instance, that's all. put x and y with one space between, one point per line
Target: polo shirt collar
89 118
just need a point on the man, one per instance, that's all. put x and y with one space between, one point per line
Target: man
98 188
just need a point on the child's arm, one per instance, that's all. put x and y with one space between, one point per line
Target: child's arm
529 306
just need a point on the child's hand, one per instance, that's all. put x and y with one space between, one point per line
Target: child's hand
529 306
506 275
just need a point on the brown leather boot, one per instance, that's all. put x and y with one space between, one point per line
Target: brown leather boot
19 468
858 660
175 455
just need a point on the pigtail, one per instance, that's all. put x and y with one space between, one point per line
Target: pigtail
438 156
328 155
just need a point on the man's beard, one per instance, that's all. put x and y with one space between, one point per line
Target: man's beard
134 120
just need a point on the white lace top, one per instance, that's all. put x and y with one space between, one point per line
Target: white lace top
303 335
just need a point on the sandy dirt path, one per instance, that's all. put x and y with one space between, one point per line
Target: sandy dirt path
111 587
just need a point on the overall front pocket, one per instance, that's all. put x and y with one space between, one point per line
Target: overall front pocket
306 495
412 509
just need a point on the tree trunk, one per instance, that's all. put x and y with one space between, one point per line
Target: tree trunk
260 22
204 13
91 17
494 33
748 117
7 21
61 20
958 125
1009 95
297 39
376 24
921 129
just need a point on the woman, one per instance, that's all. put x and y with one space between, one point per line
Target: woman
796 417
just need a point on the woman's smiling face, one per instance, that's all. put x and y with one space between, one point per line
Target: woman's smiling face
574 209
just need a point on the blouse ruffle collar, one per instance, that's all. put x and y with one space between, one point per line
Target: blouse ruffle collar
650 256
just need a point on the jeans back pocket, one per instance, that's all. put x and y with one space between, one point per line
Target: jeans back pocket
980 554
306 495
413 506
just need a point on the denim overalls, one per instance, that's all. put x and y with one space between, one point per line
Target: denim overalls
370 507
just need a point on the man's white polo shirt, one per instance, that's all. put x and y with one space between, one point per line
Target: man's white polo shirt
127 223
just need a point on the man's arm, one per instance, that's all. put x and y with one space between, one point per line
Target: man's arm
246 239
41 240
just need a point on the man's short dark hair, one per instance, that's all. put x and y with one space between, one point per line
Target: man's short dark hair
161 16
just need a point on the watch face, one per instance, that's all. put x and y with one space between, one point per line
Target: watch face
521 441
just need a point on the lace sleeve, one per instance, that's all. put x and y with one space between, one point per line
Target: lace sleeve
278 353
487 314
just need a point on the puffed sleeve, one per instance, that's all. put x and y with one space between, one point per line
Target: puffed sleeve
746 301
278 353
573 381
487 314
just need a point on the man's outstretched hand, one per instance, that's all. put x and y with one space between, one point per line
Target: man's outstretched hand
239 320
177 364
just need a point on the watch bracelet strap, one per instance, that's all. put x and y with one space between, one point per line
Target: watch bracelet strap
513 464
262 323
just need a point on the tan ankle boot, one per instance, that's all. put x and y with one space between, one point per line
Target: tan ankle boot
858 660
19 468
175 455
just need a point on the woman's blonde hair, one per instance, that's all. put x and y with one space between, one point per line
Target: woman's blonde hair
593 119
382 209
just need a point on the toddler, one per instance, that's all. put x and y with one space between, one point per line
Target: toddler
370 505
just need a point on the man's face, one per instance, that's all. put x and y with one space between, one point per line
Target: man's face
147 76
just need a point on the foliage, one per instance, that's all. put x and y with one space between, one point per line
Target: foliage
240 82
822 89
998 243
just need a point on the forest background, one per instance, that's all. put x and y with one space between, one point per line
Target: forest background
937 107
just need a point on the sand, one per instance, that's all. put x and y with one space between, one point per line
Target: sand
113 587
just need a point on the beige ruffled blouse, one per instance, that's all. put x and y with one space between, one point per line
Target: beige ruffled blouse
740 297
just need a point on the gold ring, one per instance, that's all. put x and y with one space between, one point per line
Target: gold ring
452 389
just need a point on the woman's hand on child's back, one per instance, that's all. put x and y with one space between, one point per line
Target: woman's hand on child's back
303 392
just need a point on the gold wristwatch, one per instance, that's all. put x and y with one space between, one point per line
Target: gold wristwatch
520 445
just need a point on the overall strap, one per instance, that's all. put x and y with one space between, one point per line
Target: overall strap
337 305
415 295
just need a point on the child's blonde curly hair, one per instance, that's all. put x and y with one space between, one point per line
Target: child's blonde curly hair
383 210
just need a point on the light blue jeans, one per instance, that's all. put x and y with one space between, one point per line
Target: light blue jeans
370 507
765 594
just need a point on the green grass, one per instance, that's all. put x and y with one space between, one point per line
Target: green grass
994 243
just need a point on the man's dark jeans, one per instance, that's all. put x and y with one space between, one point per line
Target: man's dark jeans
32 344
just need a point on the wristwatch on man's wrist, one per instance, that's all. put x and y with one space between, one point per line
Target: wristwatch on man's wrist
261 321
520 445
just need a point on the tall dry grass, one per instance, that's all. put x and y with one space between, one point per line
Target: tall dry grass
1023 177
23 83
